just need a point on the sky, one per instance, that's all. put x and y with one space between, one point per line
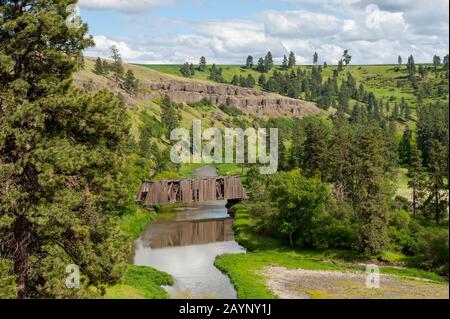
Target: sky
227 31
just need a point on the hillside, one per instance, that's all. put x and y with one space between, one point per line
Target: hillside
153 85
386 82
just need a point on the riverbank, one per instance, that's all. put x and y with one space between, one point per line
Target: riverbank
253 277
139 282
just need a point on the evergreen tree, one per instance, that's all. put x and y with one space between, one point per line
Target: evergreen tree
98 68
250 81
170 117
185 70
131 83
202 64
235 80
436 62
346 57
106 68
249 62
260 66
341 158
117 66
416 173
369 188
399 60
315 58
438 170
404 148
315 158
292 60
262 80
60 162
285 62
268 62
411 66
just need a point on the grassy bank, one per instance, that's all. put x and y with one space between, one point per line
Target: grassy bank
246 270
139 282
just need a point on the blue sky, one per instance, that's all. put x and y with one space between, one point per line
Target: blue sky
176 31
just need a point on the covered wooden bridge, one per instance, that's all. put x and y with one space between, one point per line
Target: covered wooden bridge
191 190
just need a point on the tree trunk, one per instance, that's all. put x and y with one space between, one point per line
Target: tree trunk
22 235
436 205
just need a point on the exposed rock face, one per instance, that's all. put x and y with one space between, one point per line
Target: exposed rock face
247 100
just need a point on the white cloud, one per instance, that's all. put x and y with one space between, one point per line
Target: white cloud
373 34
301 24
130 6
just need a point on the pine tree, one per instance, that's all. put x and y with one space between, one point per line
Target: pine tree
117 66
399 60
292 60
346 57
341 158
235 80
417 180
369 188
60 162
249 62
260 66
411 66
285 62
170 117
131 83
185 70
262 80
98 68
106 68
315 58
315 149
202 64
404 148
268 62
438 170
250 81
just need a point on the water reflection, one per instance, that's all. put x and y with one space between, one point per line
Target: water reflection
185 244
188 232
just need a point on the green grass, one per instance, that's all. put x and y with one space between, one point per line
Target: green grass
141 282
134 223
245 270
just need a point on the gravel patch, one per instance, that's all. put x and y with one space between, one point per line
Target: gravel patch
324 284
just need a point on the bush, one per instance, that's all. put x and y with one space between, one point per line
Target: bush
404 232
434 246
334 229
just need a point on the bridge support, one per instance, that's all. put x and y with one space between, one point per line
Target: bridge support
229 205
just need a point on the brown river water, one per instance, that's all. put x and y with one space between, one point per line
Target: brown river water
185 244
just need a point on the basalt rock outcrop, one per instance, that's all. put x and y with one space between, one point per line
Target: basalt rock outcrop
247 100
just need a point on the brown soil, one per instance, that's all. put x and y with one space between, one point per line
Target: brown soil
320 284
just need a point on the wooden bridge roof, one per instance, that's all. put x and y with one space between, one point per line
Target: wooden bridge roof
188 190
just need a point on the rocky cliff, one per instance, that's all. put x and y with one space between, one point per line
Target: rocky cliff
247 100
185 91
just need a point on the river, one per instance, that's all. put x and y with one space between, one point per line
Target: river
185 244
